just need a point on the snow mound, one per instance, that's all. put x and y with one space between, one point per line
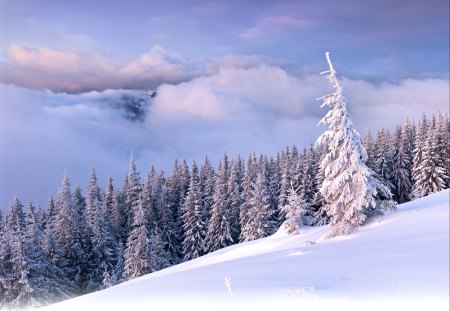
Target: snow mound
400 260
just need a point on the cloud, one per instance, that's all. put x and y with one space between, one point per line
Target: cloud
237 110
69 71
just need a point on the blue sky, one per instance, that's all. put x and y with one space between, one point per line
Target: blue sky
235 76
380 39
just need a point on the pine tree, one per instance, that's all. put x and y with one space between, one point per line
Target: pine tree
219 232
105 244
320 206
348 187
443 145
384 158
207 189
295 210
245 208
430 175
68 235
285 183
84 236
370 149
234 201
137 253
158 258
37 284
174 200
401 173
11 253
308 187
419 143
117 276
94 202
112 205
193 225
133 191
258 225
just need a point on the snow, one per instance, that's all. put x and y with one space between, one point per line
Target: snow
399 260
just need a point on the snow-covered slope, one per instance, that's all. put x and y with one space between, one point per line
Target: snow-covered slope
396 261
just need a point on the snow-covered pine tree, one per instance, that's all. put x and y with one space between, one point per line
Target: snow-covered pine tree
117 276
383 158
113 207
274 190
84 235
401 173
285 182
105 249
320 215
137 253
245 208
207 189
219 233
431 175
194 227
259 224
307 186
295 210
137 246
68 235
158 258
370 149
37 285
15 218
94 201
443 144
174 200
122 195
167 227
7 271
11 253
419 145
348 187
184 179
133 191
234 201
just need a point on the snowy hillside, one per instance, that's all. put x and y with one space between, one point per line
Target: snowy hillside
400 259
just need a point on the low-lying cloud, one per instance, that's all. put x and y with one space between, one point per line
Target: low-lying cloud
258 108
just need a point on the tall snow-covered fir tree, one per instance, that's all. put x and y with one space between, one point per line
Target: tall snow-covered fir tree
234 201
219 232
194 226
68 234
258 225
349 187
137 254
207 189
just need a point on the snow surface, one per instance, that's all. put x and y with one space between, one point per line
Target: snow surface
399 260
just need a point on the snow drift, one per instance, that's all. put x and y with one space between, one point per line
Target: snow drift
400 260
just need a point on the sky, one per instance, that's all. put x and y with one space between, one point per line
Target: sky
77 80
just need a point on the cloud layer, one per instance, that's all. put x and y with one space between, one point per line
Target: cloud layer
70 71
238 110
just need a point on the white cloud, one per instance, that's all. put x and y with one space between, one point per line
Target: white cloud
237 110
82 71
